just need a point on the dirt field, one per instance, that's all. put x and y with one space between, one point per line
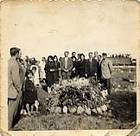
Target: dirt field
122 114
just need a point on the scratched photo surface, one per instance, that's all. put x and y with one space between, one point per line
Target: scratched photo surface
82 98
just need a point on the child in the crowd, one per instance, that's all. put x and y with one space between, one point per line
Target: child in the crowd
42 71
30 99
35 71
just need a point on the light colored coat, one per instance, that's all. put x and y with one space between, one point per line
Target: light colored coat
106 68
14 85
69 64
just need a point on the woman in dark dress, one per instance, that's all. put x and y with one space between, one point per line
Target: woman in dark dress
99 68
74 69
78 64
57 69
49 70
82 65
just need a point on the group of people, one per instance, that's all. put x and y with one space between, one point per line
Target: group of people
25 75
97 66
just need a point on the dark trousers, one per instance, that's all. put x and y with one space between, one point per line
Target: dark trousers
106 85
66 75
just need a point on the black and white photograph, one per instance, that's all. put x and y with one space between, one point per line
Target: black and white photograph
71 65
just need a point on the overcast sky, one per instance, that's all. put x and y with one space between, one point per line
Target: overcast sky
43 28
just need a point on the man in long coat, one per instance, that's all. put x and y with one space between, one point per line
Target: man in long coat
14 85
106 72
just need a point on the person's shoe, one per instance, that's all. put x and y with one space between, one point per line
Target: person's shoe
29 113
49 90
22 111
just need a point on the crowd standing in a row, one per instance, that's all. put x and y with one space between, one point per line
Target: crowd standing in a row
25 75
52 69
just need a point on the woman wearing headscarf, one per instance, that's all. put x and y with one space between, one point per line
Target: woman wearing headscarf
57 69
